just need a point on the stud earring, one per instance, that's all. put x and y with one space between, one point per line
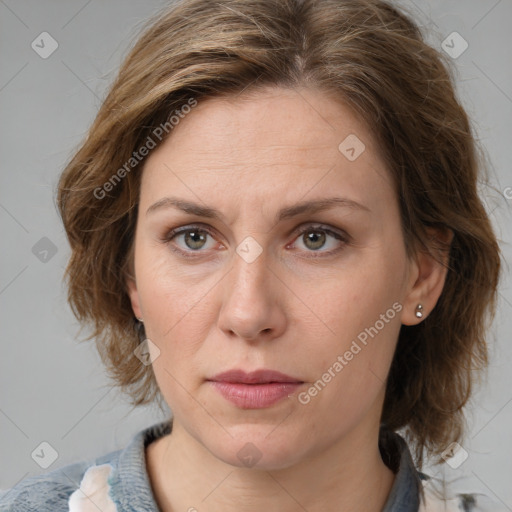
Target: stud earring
139 319
419 311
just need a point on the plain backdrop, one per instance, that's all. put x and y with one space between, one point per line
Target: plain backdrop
52 388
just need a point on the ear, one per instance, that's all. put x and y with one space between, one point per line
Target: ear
131 288
130 281
427 275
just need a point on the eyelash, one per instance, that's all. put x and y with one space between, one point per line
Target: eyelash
341 236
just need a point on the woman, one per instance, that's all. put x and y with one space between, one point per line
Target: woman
275 228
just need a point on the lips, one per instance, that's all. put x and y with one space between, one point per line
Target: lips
255 377
255 390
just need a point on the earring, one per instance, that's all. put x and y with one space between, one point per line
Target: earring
139 319
419 311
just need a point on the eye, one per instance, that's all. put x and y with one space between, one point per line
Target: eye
192 238
314 238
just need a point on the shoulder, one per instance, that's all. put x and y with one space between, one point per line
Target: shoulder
51 492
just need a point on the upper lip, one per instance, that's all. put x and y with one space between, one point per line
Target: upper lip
255 377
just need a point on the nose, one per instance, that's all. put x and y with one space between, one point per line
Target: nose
253 301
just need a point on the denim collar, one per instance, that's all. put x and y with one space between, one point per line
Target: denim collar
407 487
131 487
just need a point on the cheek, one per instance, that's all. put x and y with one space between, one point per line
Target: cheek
354 298
361 308
348 373
167 290
179 313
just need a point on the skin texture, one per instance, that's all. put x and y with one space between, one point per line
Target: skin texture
249 156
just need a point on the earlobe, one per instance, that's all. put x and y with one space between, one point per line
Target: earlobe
431 268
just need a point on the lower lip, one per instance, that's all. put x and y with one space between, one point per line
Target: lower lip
255 396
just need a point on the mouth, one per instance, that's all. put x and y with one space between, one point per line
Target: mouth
254 390
256 377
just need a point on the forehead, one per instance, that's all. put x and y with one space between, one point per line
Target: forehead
300 118
291 142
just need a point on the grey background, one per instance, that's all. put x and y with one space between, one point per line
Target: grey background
52 388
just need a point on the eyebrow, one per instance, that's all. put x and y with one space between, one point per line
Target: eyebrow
288 212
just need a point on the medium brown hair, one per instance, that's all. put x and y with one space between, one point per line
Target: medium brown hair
372 57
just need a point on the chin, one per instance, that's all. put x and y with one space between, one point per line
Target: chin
259 447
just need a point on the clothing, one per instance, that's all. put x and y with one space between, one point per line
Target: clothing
119 482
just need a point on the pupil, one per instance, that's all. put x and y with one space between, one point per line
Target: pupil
317 238
197 238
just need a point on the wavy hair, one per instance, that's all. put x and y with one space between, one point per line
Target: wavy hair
372 57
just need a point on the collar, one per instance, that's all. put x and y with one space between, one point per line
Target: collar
131 489
407 487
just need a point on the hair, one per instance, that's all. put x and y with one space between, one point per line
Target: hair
372 57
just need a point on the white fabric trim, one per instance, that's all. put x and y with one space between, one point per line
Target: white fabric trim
433 503
93 492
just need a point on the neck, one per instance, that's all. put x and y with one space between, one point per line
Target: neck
349 475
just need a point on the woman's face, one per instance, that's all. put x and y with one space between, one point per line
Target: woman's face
318 293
